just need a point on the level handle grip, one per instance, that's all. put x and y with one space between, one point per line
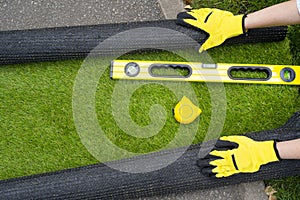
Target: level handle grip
245 72
152 70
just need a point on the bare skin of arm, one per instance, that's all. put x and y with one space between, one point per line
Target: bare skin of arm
289 149
285 13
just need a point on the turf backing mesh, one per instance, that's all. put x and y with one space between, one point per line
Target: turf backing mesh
49 44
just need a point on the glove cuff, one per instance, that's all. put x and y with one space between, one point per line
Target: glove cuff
243 23
269 152
276 151
236 25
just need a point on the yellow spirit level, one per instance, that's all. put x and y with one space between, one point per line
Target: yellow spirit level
201 72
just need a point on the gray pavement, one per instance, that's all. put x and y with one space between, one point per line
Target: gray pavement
28 14
244 191
170 8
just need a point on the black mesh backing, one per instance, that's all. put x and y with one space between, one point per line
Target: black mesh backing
76 42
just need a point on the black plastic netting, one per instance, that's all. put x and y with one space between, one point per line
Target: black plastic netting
50 44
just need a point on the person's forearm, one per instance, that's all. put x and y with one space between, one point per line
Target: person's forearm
285 13
289 149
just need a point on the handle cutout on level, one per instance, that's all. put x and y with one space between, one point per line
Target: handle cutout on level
170 70
249 73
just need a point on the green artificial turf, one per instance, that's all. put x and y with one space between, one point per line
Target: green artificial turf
37 130
37 125
293 35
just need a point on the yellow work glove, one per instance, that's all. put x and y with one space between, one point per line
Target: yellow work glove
240 154
218 24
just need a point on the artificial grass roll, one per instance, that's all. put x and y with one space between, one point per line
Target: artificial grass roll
48 44
102 182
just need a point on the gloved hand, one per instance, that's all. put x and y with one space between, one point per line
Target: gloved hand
219 24
239 154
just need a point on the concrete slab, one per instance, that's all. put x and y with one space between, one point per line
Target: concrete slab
170 9
244 191
28 14
255 190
